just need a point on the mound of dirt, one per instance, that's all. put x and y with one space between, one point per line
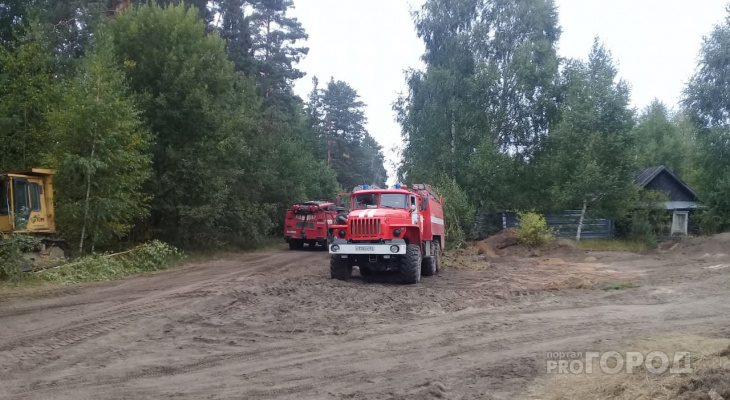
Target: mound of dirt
471 258
506 244
502 261
709 247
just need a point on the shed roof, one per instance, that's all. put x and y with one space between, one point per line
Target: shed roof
650 173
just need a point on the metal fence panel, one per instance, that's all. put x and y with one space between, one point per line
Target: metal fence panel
565 224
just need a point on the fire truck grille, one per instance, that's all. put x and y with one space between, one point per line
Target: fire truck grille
366 227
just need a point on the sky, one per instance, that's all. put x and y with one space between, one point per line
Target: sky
370 43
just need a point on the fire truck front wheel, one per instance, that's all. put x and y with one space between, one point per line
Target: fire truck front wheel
410 265
340 268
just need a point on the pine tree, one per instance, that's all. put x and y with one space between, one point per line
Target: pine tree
336 114
274 47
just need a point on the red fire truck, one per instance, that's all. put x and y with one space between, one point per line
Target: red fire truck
307 223
399 229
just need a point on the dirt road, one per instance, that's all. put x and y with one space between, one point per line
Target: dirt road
273 325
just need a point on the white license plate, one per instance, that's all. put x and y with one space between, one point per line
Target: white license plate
364 248
291 231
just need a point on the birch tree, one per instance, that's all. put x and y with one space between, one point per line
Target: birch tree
101 153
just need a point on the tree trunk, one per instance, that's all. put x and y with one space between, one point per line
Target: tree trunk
580 222
453 143
86 203
329 145
25 133
93 242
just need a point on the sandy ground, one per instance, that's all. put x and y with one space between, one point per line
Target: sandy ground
273 325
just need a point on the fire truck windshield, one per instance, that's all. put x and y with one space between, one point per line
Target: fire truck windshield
393 200
387 200
361 201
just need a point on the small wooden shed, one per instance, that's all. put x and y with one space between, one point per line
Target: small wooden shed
683 201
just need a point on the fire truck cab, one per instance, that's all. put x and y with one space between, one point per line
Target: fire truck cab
397 229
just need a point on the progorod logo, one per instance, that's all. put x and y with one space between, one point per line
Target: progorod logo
613 362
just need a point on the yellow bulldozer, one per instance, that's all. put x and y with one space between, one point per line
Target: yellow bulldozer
26 208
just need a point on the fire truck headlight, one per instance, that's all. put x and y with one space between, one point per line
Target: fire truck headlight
335 248
396 233
341 234
394 249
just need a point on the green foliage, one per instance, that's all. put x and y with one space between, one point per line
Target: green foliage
642 230
588 157
11 255
620 286
533 229
224 168
647 219
27 90
458 212
493 111
153 256
708 101
67 22
100 151
716 217
659 140
337 119
489 85
492 180
152 117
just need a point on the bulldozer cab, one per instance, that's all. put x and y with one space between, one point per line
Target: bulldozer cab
26 202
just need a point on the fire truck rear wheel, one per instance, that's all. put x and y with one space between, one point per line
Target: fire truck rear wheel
340 268
410 265
437 255
431 265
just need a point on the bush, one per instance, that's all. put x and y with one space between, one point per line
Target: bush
642 230
648 219
152 256
458 212
533 229
11 255
10 260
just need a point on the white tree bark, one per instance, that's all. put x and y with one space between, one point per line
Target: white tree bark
580 222
86 203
